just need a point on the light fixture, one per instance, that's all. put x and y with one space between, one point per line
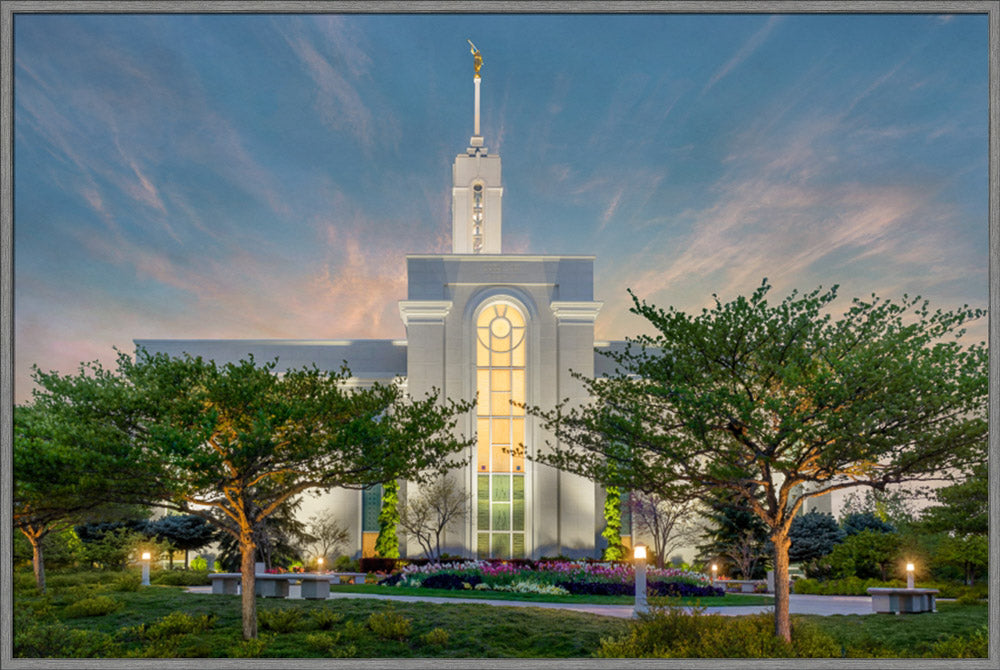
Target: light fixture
145 567
639 553
909 575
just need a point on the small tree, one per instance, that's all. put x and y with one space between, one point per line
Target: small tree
387 542
735 533
779 403
813 535
868 554
962 516
66 466
427 515
182 531
326 535
669 524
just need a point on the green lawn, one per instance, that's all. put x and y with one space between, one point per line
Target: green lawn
875 634
43 627
730 599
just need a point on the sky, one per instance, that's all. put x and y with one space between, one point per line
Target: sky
264 176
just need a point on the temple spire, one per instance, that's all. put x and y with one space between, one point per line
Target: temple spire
476 189
477 61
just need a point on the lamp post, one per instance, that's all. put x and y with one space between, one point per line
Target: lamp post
715 573
640 580
319 564
145 568
909 575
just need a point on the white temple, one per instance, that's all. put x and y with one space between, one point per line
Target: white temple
510 327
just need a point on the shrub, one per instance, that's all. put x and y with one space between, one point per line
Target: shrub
969 598
345 564
96 606
438 637
325 619
280 620
127 582
57 641
199 564
250 648
182 578
178 623
330 644
975 645
672 632
390 625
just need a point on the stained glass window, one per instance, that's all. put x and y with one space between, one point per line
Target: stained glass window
500 381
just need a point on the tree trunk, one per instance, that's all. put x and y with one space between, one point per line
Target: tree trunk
247 581
782 622
37 558
185 559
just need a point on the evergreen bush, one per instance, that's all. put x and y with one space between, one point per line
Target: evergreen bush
390 625
672 632
280 620
96 606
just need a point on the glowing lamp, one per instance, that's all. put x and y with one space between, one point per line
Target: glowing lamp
909 575
145 567
641 606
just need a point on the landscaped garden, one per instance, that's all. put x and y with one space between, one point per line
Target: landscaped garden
90 613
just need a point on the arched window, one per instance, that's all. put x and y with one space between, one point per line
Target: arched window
500 381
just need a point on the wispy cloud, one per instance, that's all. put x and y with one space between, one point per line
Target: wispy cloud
744 52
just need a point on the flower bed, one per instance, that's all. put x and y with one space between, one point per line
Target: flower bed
583 577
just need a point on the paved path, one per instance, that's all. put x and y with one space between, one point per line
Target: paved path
798 604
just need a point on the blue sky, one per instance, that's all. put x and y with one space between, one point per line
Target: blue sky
259 176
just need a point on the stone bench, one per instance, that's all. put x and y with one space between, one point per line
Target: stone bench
900 600
266 585
745 585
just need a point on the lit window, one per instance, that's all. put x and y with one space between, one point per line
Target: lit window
500 381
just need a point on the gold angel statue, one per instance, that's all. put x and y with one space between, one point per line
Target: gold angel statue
477 57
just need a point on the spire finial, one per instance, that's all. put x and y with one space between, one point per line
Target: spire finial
477 58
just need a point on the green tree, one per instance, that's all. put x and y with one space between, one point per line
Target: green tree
734 535
968 553
387 542
69 460
813 535
182 531
962 517
855 522
232 443
963 507
781 400
867 554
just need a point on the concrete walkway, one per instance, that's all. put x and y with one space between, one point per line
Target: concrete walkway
798 604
